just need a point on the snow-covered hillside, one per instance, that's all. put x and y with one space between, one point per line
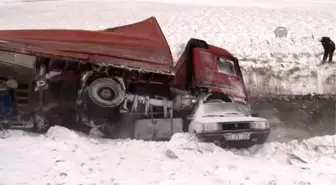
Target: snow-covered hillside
244 27
65 157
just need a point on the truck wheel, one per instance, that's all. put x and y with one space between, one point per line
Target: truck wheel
186 124
106 92
61 115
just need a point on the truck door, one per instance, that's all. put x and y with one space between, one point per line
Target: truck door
228 78
204 68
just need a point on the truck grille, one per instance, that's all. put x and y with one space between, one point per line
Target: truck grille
235 126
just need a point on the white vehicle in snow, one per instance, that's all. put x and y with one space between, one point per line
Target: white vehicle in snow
228 123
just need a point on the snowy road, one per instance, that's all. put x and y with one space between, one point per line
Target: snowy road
280 66
64 157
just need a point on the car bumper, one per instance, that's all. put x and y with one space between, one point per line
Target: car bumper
258 136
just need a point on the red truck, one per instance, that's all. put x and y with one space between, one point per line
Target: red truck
120 81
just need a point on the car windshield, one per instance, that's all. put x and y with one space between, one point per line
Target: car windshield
224 109
226 66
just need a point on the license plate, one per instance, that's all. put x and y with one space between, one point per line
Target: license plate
237 136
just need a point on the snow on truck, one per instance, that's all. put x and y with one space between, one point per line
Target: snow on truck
122 82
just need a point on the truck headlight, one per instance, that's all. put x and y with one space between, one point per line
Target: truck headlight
210 126
259 125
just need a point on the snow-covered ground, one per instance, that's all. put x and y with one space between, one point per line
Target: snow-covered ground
244 27
65 157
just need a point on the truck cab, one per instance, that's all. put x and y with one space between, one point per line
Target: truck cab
210 69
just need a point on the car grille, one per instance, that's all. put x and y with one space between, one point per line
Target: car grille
235 126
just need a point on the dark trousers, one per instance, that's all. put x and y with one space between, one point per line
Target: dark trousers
326 54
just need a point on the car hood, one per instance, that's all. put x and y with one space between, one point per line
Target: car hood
228 119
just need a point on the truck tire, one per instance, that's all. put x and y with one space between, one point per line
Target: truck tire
106 92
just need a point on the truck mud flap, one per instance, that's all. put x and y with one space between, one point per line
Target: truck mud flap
157 129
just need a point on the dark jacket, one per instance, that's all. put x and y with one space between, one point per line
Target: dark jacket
328 44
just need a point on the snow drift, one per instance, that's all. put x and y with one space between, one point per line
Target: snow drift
65 157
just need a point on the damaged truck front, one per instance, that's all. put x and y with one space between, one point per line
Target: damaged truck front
120 81
222 113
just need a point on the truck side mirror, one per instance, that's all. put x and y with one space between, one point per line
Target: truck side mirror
254 115
190 117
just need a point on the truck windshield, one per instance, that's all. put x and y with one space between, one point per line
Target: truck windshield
226 66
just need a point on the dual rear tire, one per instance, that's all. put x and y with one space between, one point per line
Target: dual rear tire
104 96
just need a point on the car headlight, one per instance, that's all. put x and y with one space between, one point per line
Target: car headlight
210 126
259 125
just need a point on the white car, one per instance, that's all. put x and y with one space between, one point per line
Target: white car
228 123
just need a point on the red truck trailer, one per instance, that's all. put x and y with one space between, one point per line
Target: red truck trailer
117 80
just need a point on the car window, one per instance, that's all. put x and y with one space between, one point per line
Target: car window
226 66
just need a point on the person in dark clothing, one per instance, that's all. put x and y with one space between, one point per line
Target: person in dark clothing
329 48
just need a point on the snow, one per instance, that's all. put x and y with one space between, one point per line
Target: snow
244 27
65 157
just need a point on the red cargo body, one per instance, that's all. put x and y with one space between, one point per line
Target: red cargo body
140 45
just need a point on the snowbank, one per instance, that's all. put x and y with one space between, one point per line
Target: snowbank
65 157
245 28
